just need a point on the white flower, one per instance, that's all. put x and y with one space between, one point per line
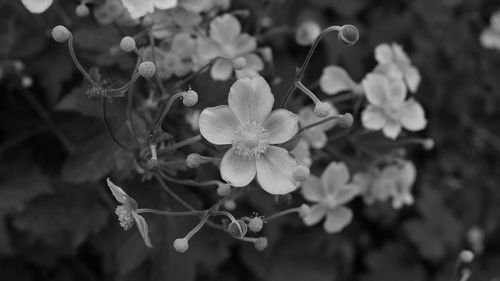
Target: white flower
37 6
316 136
301 153
227 42
395 64
253 131
330 192
198 6
388 110
139 8
335 80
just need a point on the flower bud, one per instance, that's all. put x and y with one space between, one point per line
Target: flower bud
346 120
348 35
466 256
60 34
428 144
239 63
266 53
230 205
322 109
82 10
238 229
260 244
189 98
27 82
307 32
301 173
304 210
152 164
181 245
147 69
194 160
223 189
127 44
255 224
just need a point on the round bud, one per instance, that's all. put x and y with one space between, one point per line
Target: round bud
82 10
301 173
322 109
237 229
348 35
346 120
307 32
60 34
193 160
223 189
127 44
230 205
18 65
189 98
305 210
26 82
255 224
428 144
181 245
239 63
284 200
466 256
152 164
260 244
147 69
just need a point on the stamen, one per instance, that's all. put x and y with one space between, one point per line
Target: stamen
125 216
251 140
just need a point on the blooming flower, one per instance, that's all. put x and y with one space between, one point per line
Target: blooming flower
388 110
490 37
335 80
227 42
37 6
316 135
395 64
127 212
393 182
139 8
330 192
248 124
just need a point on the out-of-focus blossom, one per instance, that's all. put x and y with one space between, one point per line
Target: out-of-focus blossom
193 119
139 8
253 131
490 37
307 32
168 23
335 80
197 6
302 154
316 136
113 10
37 6
127 212
388 110
227 43
330 193
392 182
394 63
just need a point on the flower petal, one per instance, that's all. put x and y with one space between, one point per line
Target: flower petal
164 4
250 99
383 54
334 177
373 118
392 129
346 193
37 6
236 170
312 189
222 69
207 49
274 171
335 80
413 116
316 213
253 67
316 138
377 88
225 29
282 125
143 229
138 8
244 44
218 124
397 93
337 219
302 154
412 77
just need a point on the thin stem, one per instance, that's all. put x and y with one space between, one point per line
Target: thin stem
166 213
283 213
130 99
303 129
171 193
308 92
126 86
180 144
197 228
165 110
77 63
153 55
181 83
108 127
190 182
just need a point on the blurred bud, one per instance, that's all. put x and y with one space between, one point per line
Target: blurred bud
223 189
307 32
26 82
127 44
284 200
148 21
301 173
428 144
60 34
147 69
194 160
323 109
260 244
238 229
466 256
348 35
181 245
151 164
82 10
304 210
346 120
189 98
239 63
266 53
255 224
230 205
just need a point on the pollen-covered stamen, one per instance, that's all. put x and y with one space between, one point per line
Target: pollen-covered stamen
125 216
251 140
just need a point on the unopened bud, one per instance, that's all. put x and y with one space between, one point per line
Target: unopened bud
147 69
230 205
238 229
127 44
304 210
255 224
260 244
189 98
301 173
60 34
152 164
239 63
26 82
194 160
348 35
466 256
82 10
181 245
428 144
346 120
307 32
323 109
223 189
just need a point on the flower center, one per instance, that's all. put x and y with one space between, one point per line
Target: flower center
125 216
251 140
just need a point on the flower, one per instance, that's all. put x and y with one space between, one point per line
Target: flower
37 6
395 64
490 37
227 43
248 124
307 32
127 212
316 136
197 6
388 110
330 192
394 181
301 153
139 8
335 80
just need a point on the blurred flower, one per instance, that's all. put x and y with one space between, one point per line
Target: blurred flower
388 110
168 23
307 32
316 136
37 6
113 10
193 119
139 8
197 6
248 124
127 212
394 63
331 192
335 80
301 153
490 37
227 42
